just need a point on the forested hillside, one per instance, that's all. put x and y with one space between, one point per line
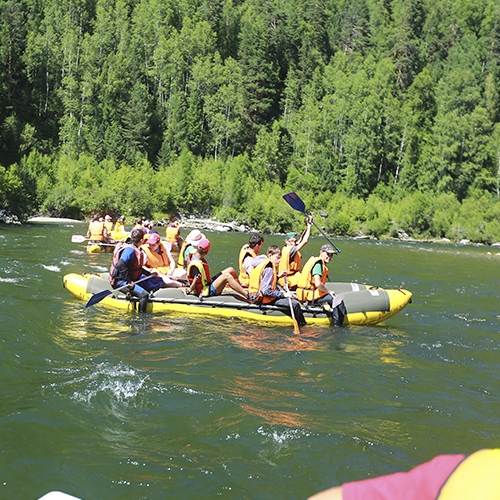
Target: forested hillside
383 113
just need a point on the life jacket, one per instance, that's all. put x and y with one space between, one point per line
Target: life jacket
292 268
109 226
157 260
306 289
120 227
254 286
96 231
475 477
181 261
172 234
202 287
245 251
135 272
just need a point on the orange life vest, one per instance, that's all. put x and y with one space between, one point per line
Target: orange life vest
306 288
245 251
135 272
96 231
254 286
292 268
157 260
202 287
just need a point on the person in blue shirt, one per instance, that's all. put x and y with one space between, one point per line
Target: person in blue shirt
128 266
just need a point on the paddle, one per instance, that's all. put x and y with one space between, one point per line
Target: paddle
296 327
97 297
77 238
296 203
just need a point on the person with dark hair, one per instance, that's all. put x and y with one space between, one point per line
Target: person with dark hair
249 251
263 289
127 267
200 281
97 232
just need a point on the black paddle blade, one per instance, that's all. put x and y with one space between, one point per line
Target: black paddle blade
295 202
97 297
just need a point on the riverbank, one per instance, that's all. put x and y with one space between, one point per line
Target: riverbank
210 224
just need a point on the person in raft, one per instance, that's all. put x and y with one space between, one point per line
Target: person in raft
445 477
291 258
200 282
97 232
108 223
120 225
249 251
188 247
159 259
262 287
173 236
127 267
311 286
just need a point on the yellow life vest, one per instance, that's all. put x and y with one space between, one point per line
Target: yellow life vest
158 261
475 477
120 227
306 288
292 268
109 226
172 233
254 285
203 287
180 261
96 231
245 251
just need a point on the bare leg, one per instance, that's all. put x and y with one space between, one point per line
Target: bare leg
229 279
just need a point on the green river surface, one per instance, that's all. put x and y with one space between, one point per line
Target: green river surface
103 404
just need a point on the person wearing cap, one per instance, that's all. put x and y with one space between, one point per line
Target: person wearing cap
249 251
97 232
311 286
127 268
291 258
263 284
108 223
188 247
200 281
159 259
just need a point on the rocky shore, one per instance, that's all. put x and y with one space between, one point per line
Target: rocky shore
8 218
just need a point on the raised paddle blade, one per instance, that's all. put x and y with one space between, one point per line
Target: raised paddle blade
76 238
295 202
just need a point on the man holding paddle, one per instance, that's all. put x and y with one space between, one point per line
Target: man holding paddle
311 287
263 280
127 269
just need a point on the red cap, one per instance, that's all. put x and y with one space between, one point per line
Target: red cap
204 245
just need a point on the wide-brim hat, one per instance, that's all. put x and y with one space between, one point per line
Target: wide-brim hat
194 237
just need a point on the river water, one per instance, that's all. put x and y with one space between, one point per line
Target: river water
101 404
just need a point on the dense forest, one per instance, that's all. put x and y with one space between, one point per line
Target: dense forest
382 114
